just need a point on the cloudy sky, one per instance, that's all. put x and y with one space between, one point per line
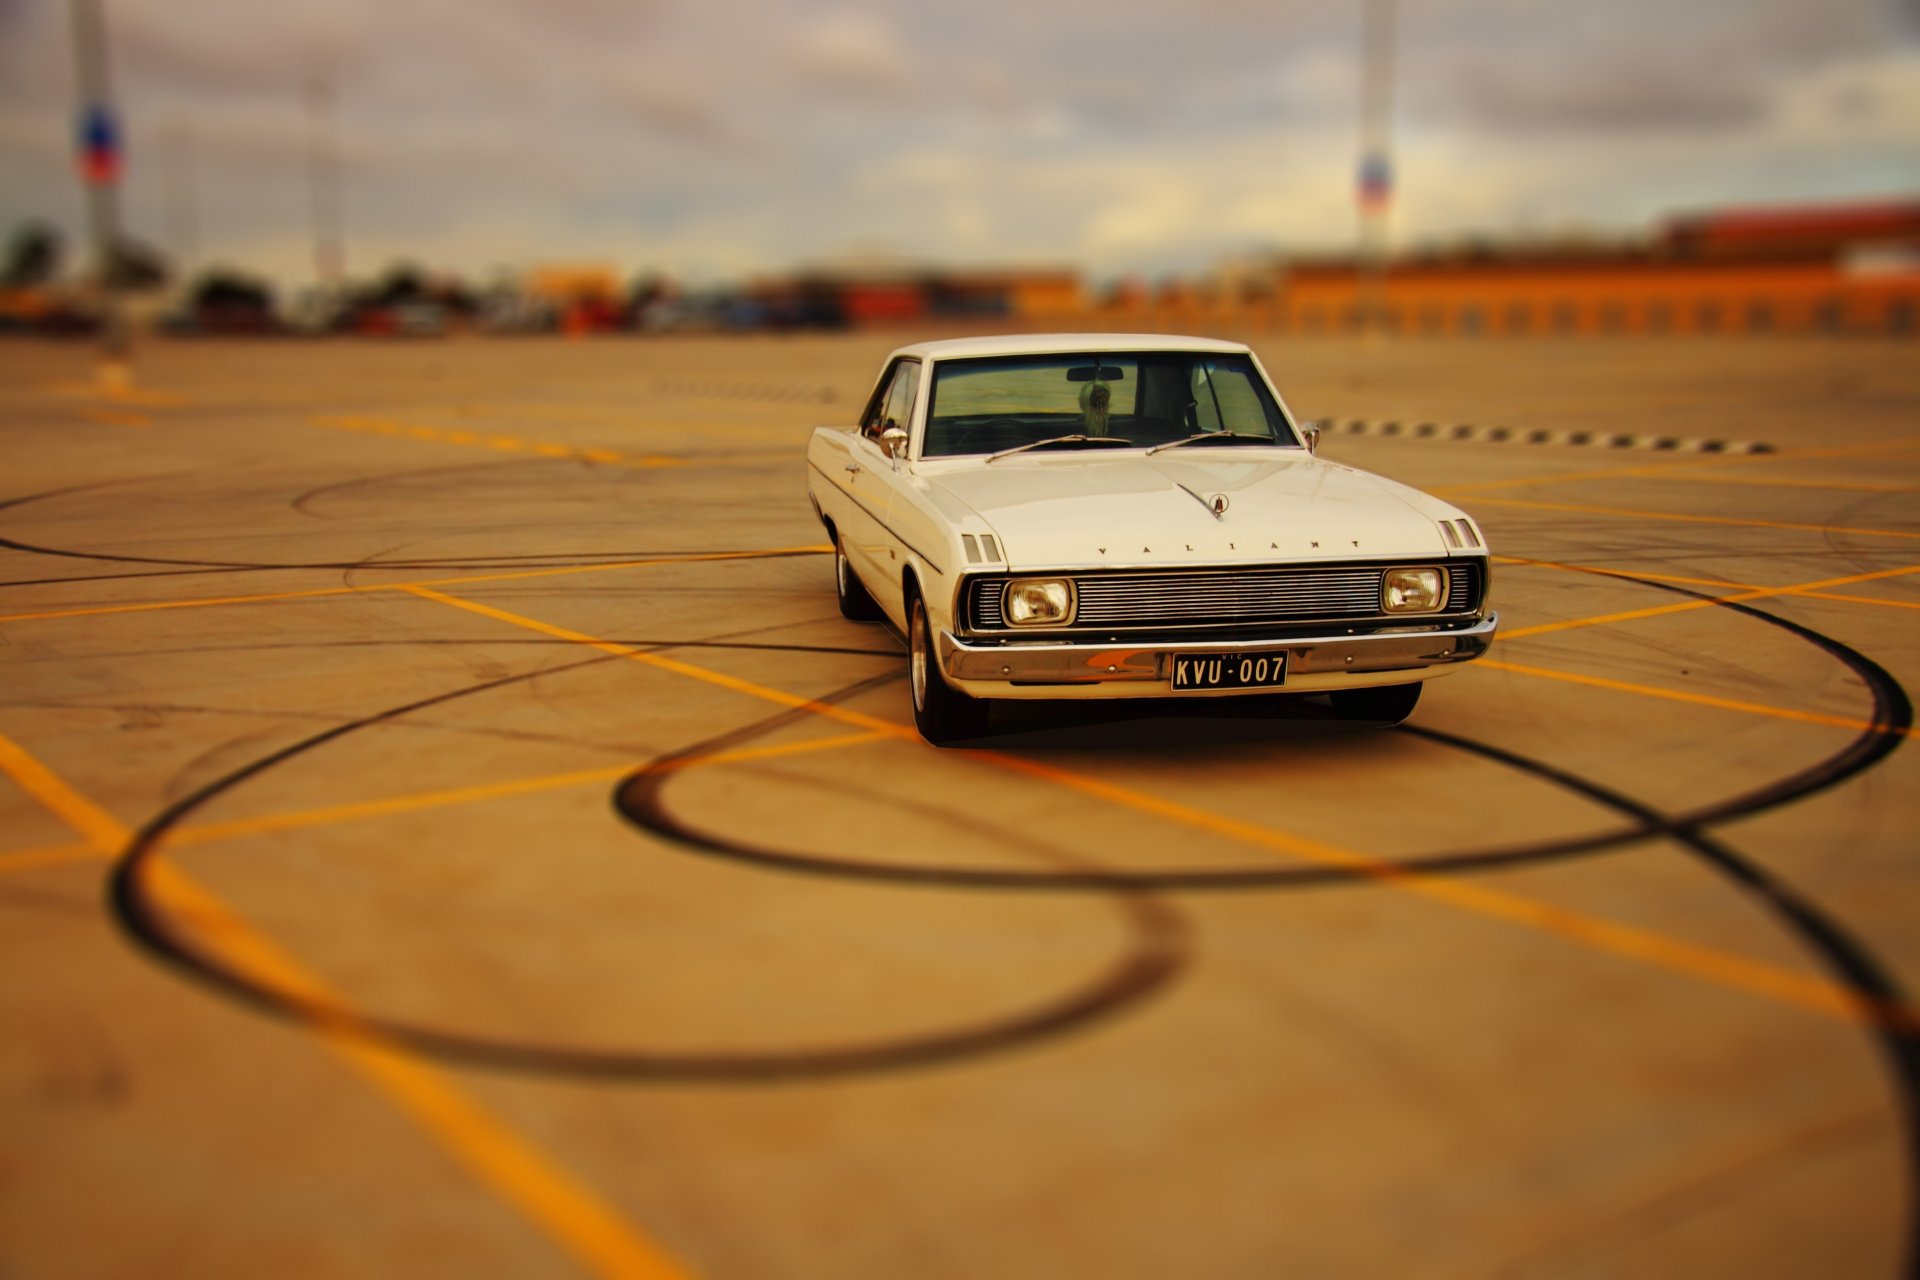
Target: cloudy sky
720 139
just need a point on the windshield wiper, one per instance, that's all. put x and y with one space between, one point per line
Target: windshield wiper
1060 440
1237 437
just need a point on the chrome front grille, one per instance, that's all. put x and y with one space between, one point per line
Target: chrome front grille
1226 597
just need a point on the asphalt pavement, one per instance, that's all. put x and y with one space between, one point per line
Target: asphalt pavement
446 828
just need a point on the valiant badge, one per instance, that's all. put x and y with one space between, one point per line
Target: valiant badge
1217 504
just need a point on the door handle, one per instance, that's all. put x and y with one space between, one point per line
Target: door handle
853 468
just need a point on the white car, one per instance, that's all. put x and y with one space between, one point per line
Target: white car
1132 516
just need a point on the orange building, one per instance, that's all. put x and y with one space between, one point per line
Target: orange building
1621 296
1823 269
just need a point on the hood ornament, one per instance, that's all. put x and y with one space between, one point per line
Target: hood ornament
1216 505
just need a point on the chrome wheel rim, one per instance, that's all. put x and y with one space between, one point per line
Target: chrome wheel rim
839 569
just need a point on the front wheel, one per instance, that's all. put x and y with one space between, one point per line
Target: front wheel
1389 705
941 712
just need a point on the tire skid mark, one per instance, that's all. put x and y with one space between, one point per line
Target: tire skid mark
122 577
551 560
1161 942
641 798
1892 715
1846 959
303 503
463 642
555 560
1157 954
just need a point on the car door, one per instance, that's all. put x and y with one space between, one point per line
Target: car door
865 477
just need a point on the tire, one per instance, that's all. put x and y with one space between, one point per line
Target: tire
941 712
856 604
1388 705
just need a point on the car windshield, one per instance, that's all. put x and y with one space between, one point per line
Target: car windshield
993 404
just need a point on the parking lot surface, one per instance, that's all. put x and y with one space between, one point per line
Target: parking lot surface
447 828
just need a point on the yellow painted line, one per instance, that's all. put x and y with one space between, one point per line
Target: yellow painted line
1808 592
571 1214
1602 572
857 719
1834 595
1844 451
1687 606
1474 487
207 833
117 417
1626 513
203 602
1786 482
58 855
1681 474
627 415
505 444
1679 467
1696 699
1719 968
100 829
114 395
1706 964
24 860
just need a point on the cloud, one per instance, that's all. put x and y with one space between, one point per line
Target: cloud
853 53
1130 138
1650 93
1632 66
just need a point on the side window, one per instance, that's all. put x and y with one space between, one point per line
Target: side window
906 381
1225 400
892 405
877 407
1240 407
1206 406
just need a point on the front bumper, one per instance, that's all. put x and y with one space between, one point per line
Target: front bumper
1314 663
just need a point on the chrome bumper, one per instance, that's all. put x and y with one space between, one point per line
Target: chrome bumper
1044 663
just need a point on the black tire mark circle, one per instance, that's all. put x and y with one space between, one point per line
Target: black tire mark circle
557 560
552 560
1849 962
1157 954
641 800
1896 1040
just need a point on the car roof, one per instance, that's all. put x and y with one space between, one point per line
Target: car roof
1034 344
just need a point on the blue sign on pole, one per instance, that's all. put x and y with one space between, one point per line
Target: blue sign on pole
99 145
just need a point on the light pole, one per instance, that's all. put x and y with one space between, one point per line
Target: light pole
182 201
323 185
1375 179
100 169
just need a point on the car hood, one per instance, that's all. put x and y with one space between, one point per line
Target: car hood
1136 510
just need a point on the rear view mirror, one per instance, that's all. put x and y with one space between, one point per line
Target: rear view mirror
1088 373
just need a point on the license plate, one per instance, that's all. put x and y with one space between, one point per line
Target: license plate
1193 671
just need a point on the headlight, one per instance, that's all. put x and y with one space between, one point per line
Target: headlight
1036 602
1413 591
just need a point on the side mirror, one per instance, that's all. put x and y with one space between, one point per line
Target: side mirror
894 441
1310 432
